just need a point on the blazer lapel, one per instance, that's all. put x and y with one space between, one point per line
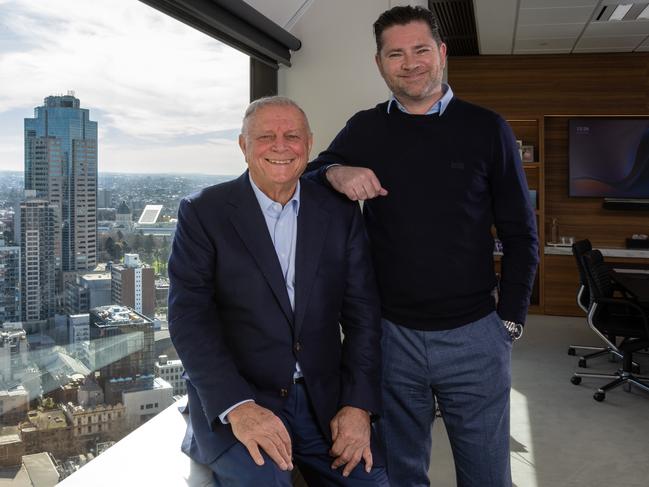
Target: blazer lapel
312 223
249 223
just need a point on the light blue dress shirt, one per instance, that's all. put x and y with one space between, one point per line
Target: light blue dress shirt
438 107
282 227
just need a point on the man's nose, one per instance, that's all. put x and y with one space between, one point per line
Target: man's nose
409 62
280 144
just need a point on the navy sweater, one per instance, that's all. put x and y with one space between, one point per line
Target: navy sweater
449 178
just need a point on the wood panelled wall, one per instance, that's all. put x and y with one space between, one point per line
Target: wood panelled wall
559 87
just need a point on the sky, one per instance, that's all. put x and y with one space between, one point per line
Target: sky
166 97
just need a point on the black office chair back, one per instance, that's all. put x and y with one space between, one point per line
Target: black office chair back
579 248
598 275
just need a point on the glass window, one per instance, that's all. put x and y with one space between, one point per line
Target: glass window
154 115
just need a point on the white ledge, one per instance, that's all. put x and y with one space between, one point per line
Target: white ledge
629 253
149 455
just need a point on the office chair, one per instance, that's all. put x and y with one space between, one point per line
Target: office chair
616 316
579 248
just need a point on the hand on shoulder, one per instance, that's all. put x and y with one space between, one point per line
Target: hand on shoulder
357 183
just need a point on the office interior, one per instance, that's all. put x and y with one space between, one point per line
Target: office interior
540 64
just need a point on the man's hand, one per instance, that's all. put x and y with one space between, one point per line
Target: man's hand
350 431
255 427
357 183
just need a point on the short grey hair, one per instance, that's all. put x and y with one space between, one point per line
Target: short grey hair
270 101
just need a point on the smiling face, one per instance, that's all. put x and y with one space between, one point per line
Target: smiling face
412 65
276 143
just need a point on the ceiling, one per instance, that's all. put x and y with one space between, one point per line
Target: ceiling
558 26
526 26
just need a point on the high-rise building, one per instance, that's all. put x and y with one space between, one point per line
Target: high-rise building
104 198
37 222
9 282
79 336
133 285
61 166
122 350
13 354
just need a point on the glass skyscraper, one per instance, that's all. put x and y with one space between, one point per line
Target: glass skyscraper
61 166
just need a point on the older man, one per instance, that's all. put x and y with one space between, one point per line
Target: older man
263 270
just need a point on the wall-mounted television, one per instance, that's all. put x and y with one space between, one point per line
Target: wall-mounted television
609 157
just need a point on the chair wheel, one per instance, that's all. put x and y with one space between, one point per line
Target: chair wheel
576 380
582 363
599 396
571 351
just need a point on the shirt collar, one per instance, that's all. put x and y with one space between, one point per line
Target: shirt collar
268 205
438 107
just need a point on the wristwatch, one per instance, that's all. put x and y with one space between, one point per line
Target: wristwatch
515 330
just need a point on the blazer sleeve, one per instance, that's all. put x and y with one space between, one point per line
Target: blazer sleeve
360 320
194 324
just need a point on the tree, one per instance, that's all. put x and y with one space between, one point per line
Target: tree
137 242
109 246
120 235
149 244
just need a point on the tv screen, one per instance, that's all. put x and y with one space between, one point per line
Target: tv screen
609 157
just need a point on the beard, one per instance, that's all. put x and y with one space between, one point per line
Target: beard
416 91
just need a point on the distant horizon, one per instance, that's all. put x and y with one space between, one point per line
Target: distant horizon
166 173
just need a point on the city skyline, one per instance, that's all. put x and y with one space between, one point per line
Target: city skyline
168 99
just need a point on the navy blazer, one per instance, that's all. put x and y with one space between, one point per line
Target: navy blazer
231 321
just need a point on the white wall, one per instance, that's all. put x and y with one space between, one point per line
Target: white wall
334 75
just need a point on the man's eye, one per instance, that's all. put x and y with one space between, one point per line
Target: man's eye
423 51
394 55
264 137
293 137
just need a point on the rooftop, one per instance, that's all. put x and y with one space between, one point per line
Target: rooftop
96 276
150 214
47 419
115 315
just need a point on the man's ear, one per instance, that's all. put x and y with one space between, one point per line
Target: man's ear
242 143
309 144
442 54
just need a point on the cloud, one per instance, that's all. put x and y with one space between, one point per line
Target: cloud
140 72
218 157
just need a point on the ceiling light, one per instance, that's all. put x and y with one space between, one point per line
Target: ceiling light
620 11
644 15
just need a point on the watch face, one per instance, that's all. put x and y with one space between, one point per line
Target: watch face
518 331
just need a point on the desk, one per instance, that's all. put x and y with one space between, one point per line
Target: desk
634 281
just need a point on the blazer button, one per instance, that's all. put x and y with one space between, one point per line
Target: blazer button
297 347
283 392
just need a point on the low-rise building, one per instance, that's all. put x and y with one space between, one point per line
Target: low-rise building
92 425
145 404
12 447
14 404
47 429
171 371
90 394
41 469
